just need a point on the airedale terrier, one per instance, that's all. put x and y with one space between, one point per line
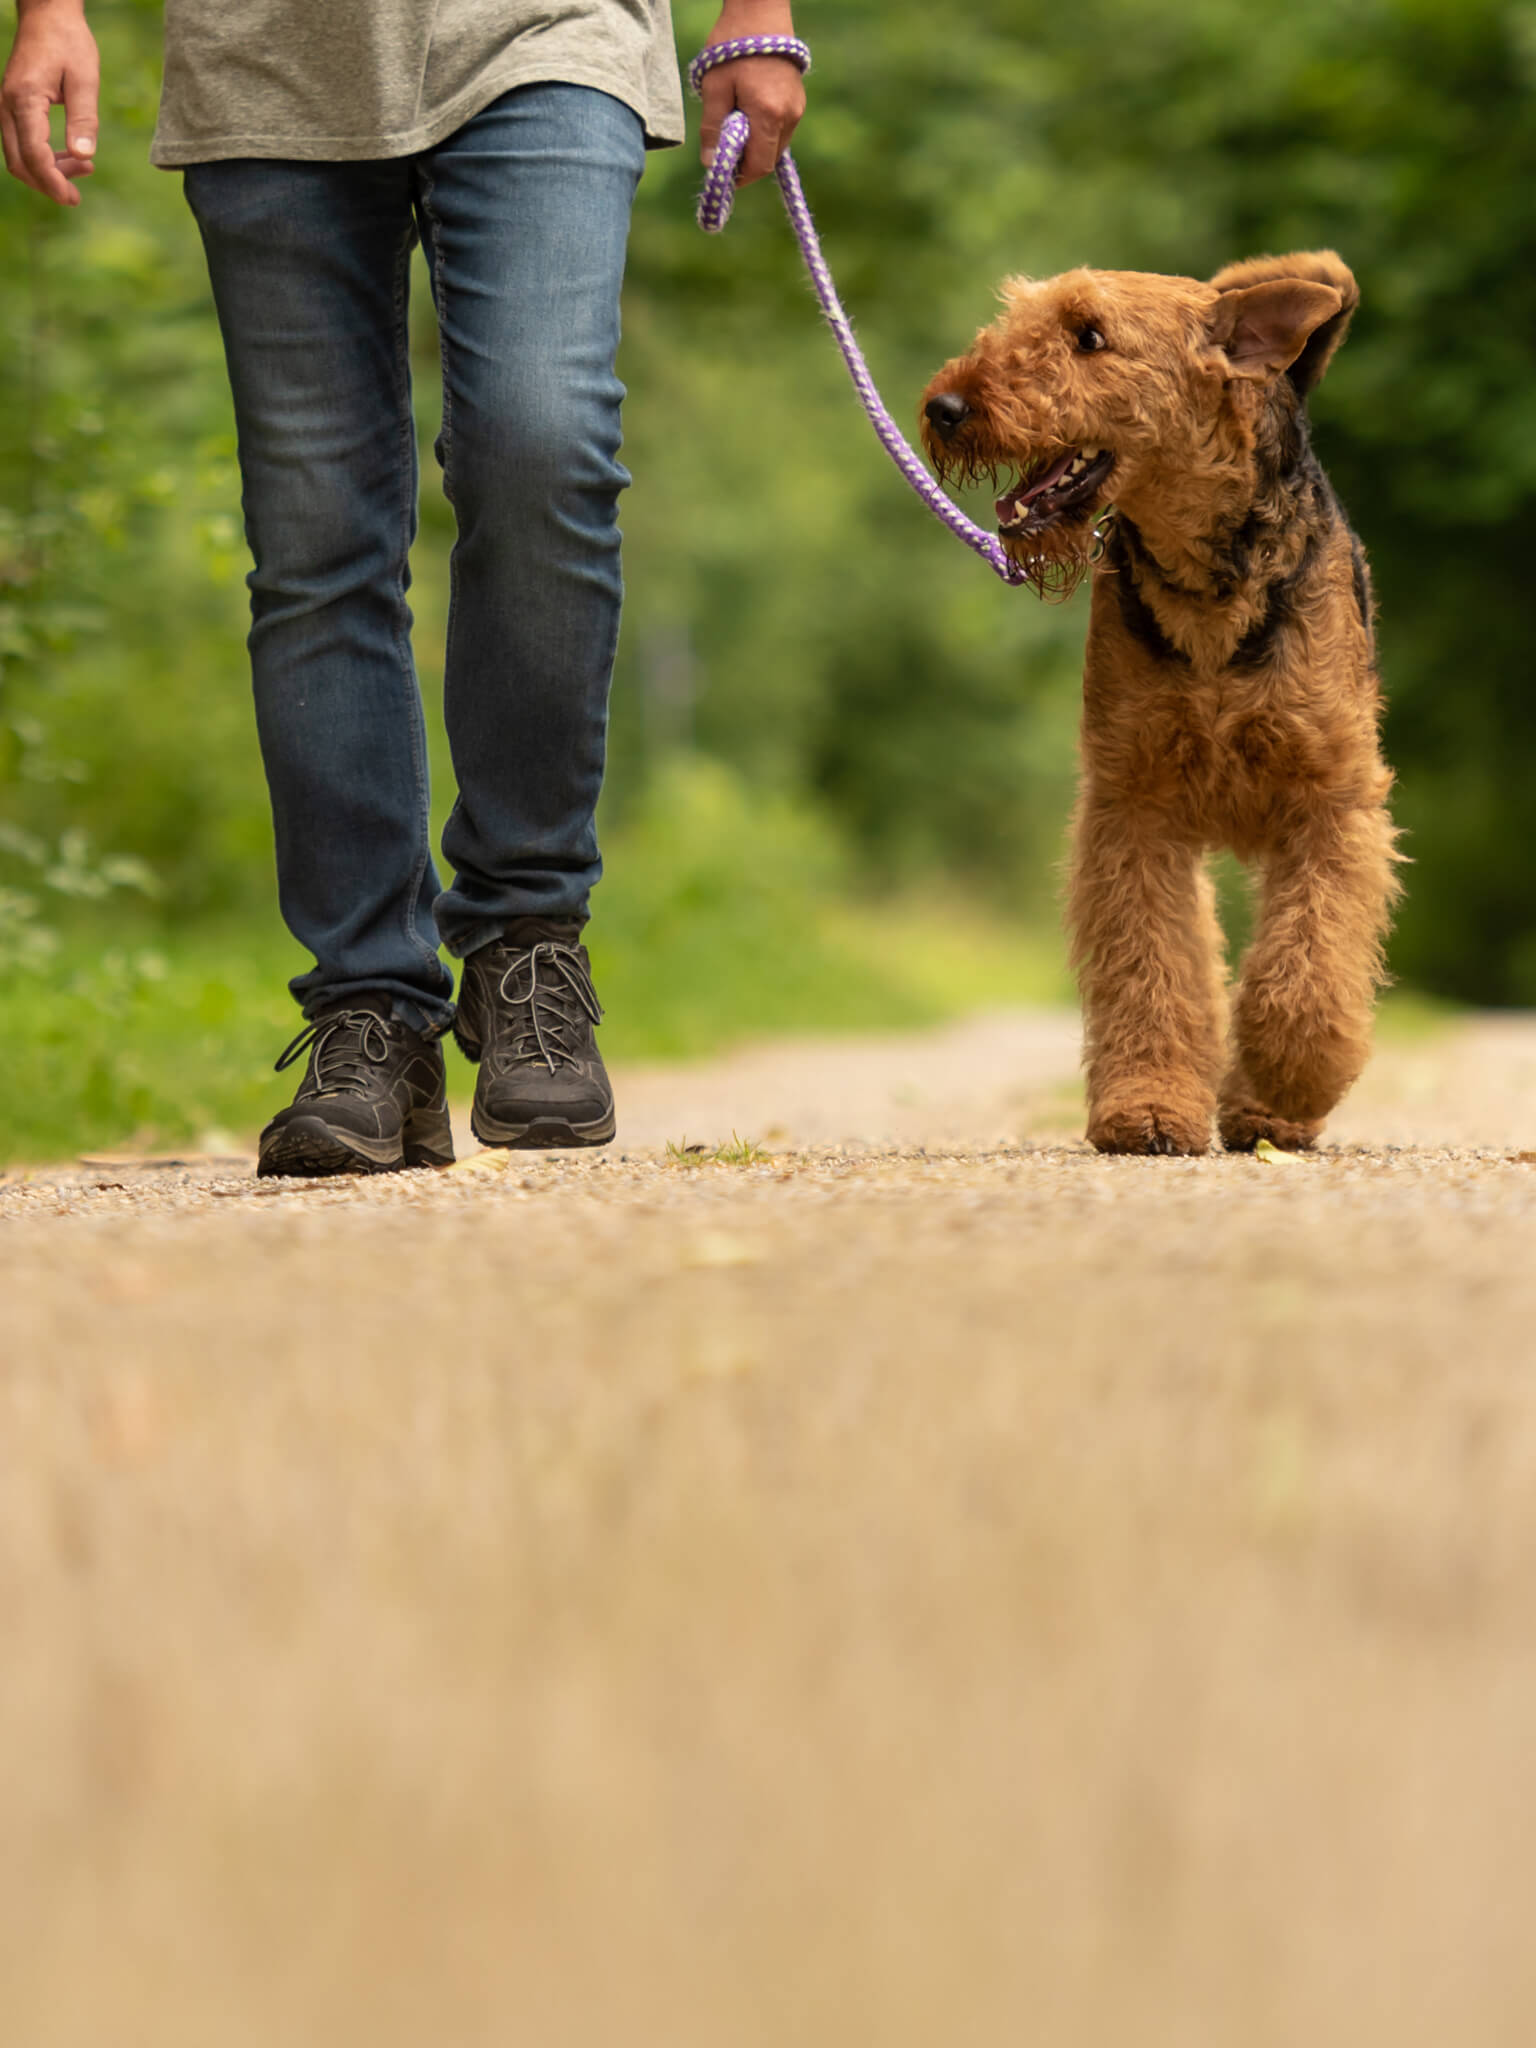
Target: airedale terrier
1158 424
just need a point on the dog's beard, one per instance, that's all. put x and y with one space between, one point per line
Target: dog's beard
1057 558
1060 551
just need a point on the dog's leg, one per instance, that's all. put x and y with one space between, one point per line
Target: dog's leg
1147 949
1302 1018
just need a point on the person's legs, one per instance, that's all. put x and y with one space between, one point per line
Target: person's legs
309 264
525 215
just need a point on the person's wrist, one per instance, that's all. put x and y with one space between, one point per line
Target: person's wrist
756 17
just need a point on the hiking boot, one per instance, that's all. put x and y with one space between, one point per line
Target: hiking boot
371 1101
527 1010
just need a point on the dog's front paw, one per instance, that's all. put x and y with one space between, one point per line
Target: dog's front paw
1243 1125
1149 1127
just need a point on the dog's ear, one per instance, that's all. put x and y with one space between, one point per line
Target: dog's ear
1313 266
1265 328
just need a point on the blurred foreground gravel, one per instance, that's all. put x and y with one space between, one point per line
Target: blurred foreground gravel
921 1585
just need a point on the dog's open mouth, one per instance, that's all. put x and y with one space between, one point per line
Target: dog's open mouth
1053 489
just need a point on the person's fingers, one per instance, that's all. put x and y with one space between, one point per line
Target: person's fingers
775 109
15 161
716 99
769 91
11 146
764 147
29 111
81 85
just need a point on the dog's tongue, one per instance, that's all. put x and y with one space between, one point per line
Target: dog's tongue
1025 492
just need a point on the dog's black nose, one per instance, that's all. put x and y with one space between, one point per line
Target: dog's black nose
948 411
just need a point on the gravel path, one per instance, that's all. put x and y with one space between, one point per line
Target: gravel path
923 1584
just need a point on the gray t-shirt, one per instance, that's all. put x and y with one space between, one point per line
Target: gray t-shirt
344 79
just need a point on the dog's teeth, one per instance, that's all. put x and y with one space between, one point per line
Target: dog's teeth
1090 454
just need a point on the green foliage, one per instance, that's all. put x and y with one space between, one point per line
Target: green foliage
713 918
929 707
794 612
150 1042
726 919
110 495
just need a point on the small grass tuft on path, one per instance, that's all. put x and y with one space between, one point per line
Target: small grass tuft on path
738 1152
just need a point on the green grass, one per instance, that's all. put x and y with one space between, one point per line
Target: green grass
738 1152
725 915
1407 1016
170 1040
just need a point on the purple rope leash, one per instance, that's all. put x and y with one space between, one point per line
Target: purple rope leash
715 200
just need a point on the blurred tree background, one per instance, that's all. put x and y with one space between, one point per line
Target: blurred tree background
842 752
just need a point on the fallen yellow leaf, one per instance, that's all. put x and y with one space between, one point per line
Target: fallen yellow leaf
1272 1154
481 1162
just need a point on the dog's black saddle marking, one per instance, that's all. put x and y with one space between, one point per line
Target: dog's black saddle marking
1258 643
1123 555
1287 468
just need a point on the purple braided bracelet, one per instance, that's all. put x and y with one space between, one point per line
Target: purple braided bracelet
715 200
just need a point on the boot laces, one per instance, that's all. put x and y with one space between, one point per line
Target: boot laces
549 991
345 1046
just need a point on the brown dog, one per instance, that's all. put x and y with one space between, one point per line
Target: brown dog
1230 692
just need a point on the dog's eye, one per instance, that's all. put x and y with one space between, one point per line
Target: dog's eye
1090 340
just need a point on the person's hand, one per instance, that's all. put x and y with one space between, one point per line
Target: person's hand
53 63
768 90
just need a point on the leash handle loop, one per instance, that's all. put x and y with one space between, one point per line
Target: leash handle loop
748 46
719 190
714 210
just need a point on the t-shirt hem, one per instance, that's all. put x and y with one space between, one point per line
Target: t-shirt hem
172 152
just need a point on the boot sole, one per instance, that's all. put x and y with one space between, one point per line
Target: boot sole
543 1133
308 1148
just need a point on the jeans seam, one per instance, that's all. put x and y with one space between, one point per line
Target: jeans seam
434 240
402 636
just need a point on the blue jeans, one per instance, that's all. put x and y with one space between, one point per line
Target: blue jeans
523 215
